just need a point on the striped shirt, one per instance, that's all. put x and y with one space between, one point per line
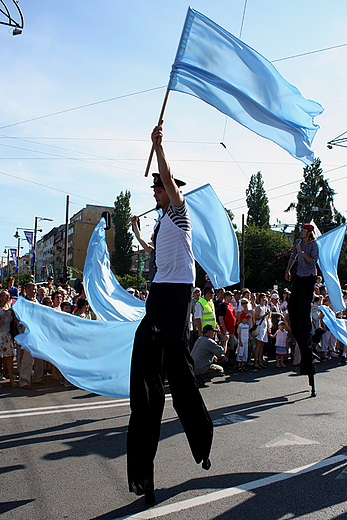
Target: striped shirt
174 255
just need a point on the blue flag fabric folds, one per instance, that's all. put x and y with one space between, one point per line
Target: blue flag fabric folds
336 326
215 245
94 355
223 71
329 245
105 294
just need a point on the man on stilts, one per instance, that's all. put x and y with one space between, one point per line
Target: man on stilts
299 306
161 341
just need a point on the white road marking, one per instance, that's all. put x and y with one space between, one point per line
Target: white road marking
229 492
45 410
288 439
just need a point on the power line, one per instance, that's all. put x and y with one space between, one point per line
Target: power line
288 184
49 187
311 52
82 106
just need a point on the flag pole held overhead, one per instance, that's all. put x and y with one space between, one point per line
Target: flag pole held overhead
159 122
223 71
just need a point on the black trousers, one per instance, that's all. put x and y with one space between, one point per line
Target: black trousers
299 308
161 346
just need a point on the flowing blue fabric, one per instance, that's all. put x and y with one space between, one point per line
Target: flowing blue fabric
223 71
215 245
329 245
336 326
94 355
104 293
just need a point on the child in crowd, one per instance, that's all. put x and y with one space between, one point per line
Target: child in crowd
281 343
243 335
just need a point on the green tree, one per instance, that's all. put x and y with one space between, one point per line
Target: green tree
315 200
266 258
129 280
123 239
231 216
257 203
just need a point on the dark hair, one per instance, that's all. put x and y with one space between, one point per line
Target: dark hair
53 295
66 304
81 302
208 290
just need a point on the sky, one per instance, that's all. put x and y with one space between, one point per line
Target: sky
83 85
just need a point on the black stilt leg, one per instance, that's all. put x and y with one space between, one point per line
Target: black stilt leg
311 383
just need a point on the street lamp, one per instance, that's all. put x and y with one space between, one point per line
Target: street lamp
17 236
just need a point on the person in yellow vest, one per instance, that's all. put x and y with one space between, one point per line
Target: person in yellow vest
205 312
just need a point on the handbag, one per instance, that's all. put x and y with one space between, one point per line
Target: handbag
254 331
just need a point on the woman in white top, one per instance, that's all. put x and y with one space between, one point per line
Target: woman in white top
261 317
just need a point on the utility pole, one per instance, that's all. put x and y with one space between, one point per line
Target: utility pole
66 237
242 277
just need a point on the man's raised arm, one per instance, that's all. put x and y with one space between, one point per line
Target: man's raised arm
166 176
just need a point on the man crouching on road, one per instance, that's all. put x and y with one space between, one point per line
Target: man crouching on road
204 353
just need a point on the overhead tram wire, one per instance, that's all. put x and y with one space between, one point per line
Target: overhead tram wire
83 106
288 184
50 187
226 117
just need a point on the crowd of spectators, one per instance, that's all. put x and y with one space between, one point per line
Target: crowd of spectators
17 364
246 330
239 329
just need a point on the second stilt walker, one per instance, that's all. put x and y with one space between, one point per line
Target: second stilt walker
305 250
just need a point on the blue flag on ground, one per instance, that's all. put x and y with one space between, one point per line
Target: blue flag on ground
223 71
329 245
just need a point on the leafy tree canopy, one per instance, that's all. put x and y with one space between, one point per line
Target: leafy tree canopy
123 239
315 200
266 258
257 203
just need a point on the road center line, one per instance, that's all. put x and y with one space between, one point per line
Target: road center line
229 492
45 410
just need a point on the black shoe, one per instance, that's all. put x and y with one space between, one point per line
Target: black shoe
343 360
206 464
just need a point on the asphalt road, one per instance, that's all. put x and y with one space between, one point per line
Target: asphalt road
277 454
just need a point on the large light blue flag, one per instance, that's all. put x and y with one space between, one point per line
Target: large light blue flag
215 245
223 71
336 326
329 245
94 355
